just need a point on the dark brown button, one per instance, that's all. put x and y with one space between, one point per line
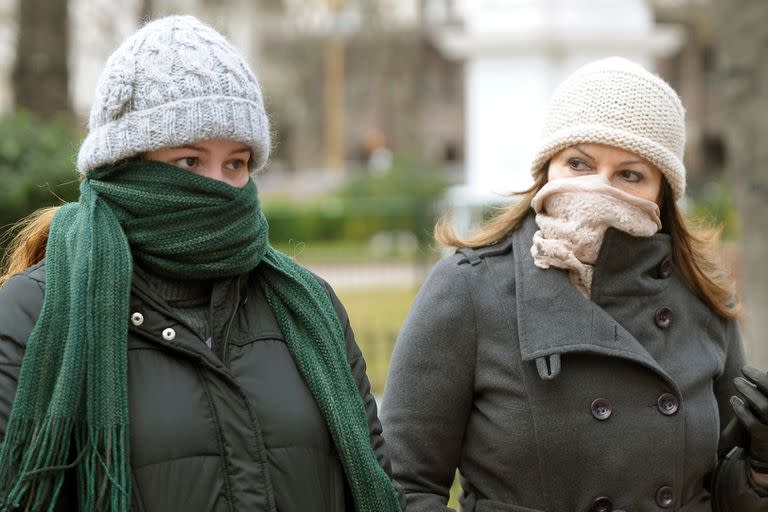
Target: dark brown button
665 268
667 404
601 409
665 498
663 317
602 504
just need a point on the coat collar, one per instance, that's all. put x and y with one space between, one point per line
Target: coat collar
553 318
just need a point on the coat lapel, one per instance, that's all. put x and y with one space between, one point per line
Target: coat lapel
554 319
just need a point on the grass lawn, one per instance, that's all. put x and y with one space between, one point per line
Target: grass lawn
376 317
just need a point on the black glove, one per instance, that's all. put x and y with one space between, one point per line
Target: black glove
751 407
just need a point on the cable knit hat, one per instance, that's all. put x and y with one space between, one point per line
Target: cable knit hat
174 82
618 103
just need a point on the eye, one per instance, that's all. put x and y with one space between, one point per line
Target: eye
188 162
631 176
237 164
577 164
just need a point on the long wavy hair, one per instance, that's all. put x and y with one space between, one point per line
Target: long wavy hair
27 246
695 246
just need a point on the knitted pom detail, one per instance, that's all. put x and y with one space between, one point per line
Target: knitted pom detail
176 81
115 90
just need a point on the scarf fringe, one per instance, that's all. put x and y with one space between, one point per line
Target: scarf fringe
34 467
103 473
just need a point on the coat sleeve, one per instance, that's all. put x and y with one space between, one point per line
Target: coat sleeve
429 389
21 299
733 488
358 366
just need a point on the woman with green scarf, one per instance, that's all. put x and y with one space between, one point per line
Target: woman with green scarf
156 354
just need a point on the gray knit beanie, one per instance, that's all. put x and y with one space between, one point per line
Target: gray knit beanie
174 82
618 103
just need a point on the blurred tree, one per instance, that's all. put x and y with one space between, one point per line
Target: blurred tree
35 166
40 74
742 37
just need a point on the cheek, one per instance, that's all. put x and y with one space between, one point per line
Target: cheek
648 191
654 189
240 181
555 172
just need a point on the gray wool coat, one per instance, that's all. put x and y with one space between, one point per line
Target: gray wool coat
547 401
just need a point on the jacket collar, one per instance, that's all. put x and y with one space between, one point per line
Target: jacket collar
553 318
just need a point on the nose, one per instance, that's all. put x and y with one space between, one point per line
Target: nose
603 174
213 171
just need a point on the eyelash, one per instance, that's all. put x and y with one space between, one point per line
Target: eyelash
240 164
195 160
636 177
629 176
573 162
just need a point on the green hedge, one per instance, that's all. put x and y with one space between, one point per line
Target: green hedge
402 199
37 169
36 165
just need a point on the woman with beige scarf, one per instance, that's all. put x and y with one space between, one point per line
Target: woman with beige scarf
580 352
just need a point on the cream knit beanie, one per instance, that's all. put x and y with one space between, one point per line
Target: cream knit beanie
174 82
618 103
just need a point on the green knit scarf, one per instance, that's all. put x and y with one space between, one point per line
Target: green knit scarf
71 406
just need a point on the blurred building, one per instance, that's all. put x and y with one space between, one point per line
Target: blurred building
692 71
457 84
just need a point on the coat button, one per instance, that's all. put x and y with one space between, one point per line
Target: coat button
169 334
601 409
663 317
665 268
665 498
137 318
667 404
602 504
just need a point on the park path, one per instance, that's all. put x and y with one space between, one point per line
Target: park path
369 275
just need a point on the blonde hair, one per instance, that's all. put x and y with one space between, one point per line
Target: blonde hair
27 246
694 245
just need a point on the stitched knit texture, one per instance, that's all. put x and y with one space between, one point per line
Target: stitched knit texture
618 103
573 215
175 81
73 381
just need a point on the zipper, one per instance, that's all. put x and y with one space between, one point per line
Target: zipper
225 341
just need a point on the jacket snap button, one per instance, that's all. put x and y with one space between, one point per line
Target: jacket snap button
663 317
137 318
169 334
601 409
602 504
665 268
667 404
665 498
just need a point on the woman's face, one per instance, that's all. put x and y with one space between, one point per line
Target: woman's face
621 169
222 160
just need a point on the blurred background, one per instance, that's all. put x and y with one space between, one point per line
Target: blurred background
389 113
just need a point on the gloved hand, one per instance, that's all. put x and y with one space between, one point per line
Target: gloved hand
751 407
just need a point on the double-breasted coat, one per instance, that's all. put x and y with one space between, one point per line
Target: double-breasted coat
547 401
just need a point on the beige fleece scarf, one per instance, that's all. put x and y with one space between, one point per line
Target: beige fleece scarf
573 214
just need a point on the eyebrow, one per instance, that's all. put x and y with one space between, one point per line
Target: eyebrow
580 150
625 162
240 149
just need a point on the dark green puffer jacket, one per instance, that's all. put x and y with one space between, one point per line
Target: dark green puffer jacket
230 429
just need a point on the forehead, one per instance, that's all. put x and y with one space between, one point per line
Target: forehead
604 152
211 146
